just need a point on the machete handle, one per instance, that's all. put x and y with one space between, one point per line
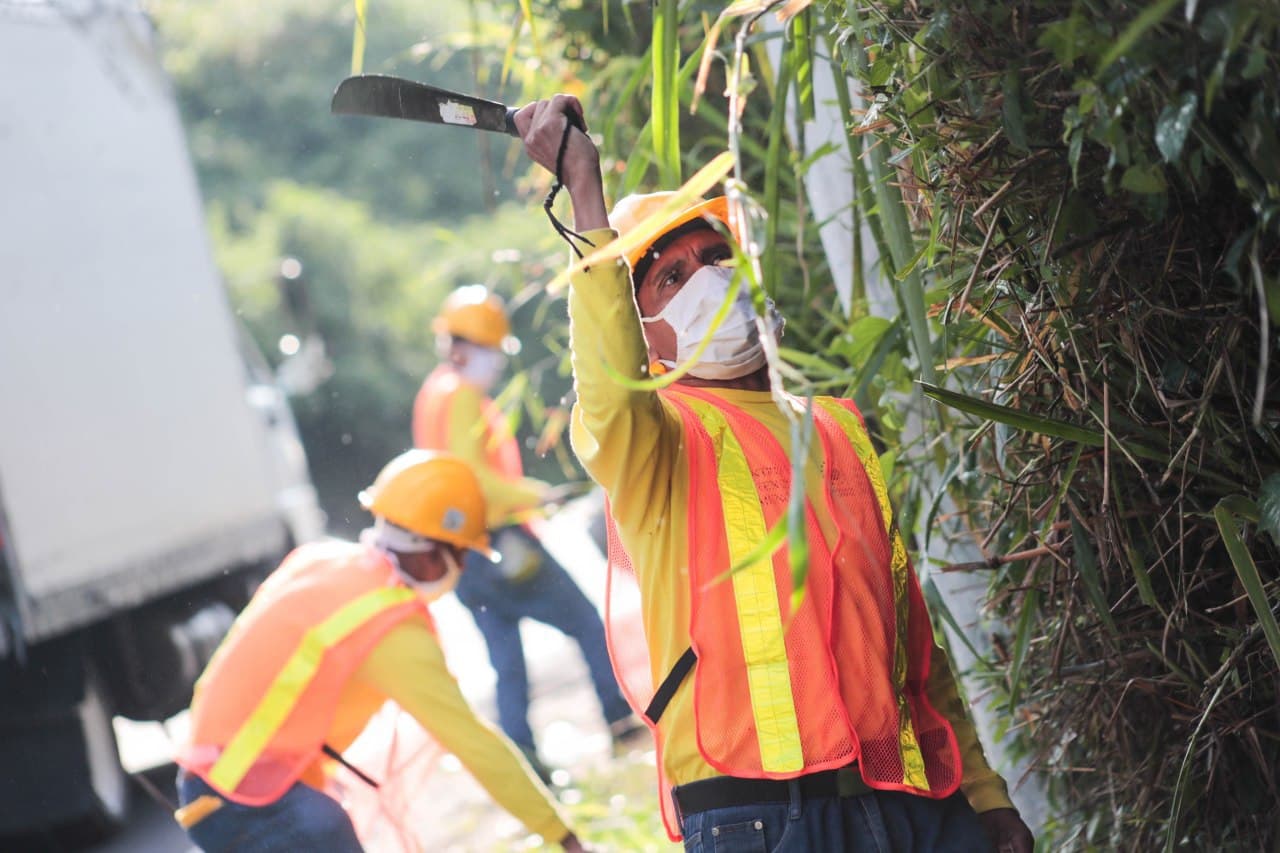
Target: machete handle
574 121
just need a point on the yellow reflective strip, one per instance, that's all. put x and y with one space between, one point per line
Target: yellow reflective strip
283 694
756 596
909 746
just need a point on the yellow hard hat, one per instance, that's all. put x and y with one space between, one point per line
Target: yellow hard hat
634 209
432 494
475 314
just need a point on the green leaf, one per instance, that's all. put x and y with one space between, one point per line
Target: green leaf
764 550
797 529
1271 290
892 215
802 62
1142 578
1022 641
1247 571
665 105
1012 417
1148 19
864 334
777 153
1255 64
1073 155
1184 774
882 69
1269 507
1087 565
937 606
1015 128
1039 424
1144 179
939 490
1067 39
911 264
1242 507
811 362
871 367
888 460
1174 125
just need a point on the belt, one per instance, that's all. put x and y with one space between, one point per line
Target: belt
725 791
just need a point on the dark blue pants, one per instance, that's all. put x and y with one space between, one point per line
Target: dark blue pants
879 822
303 819
550 596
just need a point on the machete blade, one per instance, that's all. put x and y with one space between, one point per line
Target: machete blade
395 97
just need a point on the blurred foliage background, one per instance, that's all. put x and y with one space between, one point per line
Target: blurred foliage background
1064 283
385 217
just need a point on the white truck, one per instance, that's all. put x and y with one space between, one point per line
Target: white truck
150 468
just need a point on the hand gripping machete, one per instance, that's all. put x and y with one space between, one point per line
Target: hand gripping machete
396 97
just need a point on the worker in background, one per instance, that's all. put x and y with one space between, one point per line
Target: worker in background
453 412
836 724
334 632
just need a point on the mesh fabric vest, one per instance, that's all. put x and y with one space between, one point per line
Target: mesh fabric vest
777 693
263 706
431 423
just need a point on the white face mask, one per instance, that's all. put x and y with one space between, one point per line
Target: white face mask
441 586
484 366
734 349
388 539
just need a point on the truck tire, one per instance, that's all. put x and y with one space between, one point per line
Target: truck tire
63 777
108 784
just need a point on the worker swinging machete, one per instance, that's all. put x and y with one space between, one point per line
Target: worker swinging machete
386 96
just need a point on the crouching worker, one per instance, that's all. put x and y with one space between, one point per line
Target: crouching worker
333 633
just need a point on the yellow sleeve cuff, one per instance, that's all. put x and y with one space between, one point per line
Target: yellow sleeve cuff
986 794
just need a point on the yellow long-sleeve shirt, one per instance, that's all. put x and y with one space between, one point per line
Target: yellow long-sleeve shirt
408 667
633 446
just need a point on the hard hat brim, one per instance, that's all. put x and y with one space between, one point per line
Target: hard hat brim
714 208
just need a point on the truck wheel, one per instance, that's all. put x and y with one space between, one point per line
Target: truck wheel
61 776
108 783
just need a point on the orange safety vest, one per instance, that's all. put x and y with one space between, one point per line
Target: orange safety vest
263 706
431 423
777 693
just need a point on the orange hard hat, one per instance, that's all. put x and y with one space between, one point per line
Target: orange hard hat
635 209
476 314
432 494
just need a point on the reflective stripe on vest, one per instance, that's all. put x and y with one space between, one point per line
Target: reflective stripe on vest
759 618
295 676
851 425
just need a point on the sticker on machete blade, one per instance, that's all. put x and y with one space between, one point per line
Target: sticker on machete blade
451 112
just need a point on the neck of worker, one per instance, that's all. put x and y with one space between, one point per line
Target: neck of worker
756 380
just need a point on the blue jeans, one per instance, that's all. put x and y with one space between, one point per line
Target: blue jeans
879 822
303 819
547 595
